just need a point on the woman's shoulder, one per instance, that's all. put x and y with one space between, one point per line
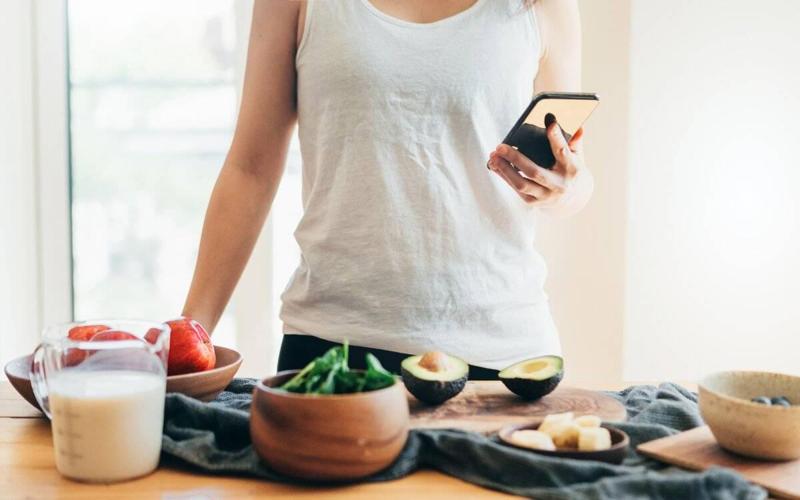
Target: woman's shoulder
555 11
271 14
556 18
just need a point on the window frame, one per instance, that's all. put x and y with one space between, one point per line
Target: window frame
52 161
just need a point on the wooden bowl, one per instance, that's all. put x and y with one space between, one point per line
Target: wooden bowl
747 428
337 437
18 373
204 386
614 455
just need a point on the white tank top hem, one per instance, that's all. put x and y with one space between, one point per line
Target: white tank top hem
407 242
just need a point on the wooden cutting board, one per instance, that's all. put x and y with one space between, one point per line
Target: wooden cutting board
698 450
486 406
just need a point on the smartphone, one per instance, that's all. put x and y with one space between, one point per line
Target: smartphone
529 134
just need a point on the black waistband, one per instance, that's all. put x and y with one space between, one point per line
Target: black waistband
299 350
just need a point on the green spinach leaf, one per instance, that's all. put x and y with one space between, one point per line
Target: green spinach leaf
331 374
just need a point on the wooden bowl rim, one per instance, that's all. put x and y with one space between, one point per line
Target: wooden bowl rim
505 436
18 360
183 376
703 386
213 371
227 371
263 387
22 383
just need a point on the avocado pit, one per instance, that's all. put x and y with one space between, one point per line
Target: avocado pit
434 377
434 361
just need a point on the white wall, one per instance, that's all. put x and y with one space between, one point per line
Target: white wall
686 259
585 253
713 239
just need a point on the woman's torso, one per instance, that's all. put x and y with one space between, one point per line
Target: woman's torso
407 243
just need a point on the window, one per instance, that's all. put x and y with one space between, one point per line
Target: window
153 94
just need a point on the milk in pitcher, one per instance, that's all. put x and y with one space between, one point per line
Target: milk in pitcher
106 424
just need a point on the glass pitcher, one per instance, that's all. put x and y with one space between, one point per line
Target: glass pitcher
102 384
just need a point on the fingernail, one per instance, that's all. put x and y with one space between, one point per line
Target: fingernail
549 119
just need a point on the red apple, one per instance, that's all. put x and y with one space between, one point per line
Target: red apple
81 333
190 348
114 335
86 332
74 356
152 335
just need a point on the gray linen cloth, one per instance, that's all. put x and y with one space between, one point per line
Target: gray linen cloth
215 437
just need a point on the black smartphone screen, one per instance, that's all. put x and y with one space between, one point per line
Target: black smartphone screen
529 134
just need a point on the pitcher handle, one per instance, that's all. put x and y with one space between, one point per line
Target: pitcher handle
38 376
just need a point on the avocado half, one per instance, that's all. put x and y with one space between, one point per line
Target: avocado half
533 378
434 377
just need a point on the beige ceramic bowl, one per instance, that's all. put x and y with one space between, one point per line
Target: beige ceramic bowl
752 429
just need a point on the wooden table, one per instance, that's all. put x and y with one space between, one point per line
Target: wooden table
27 470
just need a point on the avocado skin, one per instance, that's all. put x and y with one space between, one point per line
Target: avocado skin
533 389
432 391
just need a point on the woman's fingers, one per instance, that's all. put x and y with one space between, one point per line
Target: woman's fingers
558 143
525 197
534 184
562 151
519 160
529 169
575 142
528 190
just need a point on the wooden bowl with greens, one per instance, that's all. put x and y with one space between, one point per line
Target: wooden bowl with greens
327 422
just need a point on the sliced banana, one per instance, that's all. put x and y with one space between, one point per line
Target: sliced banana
551 421
533 439
565 434
588 421
594 439
564 430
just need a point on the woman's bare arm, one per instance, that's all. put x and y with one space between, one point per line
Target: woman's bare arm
249 178
560 71
566 188
560 29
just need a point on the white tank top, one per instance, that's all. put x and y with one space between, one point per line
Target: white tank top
407 241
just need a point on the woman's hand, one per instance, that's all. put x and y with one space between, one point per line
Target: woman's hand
567 185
